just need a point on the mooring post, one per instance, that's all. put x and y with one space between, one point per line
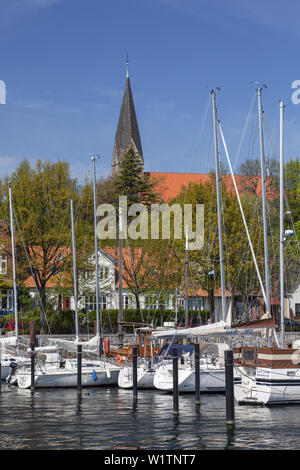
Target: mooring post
79 359
175 381
32 339
229 387
134 372
197 374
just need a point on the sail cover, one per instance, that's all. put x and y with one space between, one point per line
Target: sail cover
92 346
218 328
212 329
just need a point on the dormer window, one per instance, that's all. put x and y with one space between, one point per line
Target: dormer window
103 272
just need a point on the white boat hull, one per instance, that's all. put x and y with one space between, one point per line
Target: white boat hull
211 380
144 378
67 378
5 370
266 386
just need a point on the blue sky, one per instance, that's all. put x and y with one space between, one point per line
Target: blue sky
63 62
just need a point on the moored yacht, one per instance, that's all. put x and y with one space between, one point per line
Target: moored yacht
212 371
266 376
51 371
147 368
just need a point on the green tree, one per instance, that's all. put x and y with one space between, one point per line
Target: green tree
240 275
131 181
41 199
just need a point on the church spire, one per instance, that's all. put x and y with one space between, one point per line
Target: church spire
127 134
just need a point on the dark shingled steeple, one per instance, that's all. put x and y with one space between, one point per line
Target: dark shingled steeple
127 134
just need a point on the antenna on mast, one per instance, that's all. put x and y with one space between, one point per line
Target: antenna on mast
127 70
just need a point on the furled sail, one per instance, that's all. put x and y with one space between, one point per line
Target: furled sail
91 346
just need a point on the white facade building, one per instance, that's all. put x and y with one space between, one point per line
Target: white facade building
109 294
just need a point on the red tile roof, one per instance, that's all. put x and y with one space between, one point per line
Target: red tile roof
217 293
169 185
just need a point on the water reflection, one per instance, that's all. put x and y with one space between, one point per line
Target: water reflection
230 436
60 419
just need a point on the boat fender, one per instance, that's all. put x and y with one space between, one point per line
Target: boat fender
94 375
8 378
119 359
108 375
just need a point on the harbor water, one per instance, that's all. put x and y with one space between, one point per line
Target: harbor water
107 418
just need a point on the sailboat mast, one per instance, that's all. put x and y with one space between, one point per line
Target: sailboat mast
74 271
121 309
186 303
243 215
281 192
217 167
264 203
96 247
14 262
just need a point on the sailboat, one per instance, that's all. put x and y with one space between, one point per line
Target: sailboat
9 346
149 359
269 375
212 370
54 372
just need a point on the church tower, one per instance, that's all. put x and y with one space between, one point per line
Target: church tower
127 134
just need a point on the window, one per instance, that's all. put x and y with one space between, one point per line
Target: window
90 302
103 272
164 303
125 301
86 273
9 300
103 302
249 355
6 300
151 302
3 264
66 303
239 309
297 310
196 303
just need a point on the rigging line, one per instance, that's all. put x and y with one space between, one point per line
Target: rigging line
32 274
27 257
242 212
270 135
291 220
184 199
76 219
198 138
253 137
245 129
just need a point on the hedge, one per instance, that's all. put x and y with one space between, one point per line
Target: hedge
63 322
